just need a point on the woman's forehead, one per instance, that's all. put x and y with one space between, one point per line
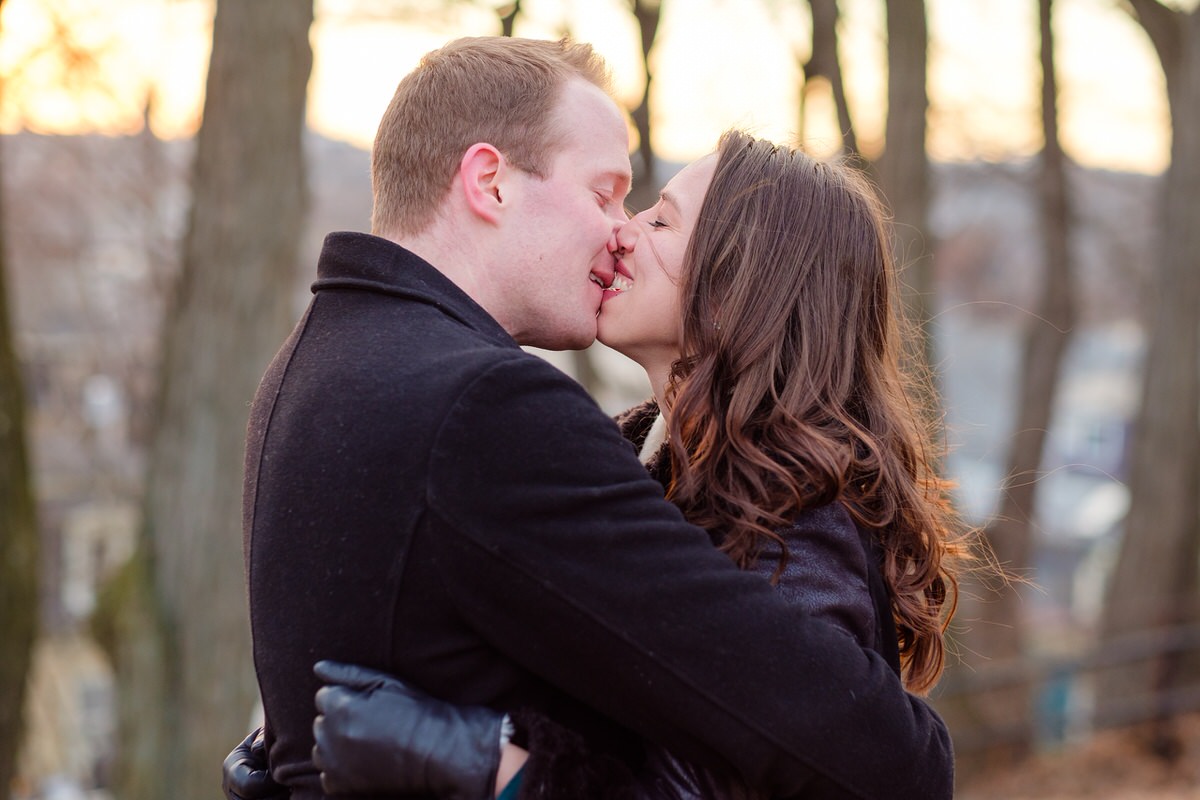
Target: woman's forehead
686 190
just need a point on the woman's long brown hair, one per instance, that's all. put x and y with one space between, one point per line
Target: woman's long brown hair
790 393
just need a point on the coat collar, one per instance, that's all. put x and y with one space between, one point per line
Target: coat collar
645 427
360 261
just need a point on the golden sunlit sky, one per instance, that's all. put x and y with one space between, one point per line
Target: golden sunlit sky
717 64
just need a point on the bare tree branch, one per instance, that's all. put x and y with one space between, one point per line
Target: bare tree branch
1163 27
824 63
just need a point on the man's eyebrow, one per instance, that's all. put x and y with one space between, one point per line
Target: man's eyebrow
621 179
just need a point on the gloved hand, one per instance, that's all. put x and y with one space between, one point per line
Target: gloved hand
375 734
245 776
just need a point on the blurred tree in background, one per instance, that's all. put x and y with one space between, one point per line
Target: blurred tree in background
903 168
1154 588
998 722
178 618
648 14
18 533
823 69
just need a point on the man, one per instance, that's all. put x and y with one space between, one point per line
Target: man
425 498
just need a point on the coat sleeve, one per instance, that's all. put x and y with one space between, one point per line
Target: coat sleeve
825 571
567 559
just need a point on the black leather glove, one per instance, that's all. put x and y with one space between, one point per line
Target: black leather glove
375 734
245 776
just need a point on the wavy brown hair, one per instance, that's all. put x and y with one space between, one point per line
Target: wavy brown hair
789 393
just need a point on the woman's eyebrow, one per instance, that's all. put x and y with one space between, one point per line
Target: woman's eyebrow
670 200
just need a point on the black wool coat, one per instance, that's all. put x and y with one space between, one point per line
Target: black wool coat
425 498
831 569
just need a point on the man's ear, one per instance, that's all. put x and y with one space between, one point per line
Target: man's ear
481 172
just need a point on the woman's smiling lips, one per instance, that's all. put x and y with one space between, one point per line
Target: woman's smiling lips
622 281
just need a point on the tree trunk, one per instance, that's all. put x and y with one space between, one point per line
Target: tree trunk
508 17
648 14
184 671
1008 710
903 168
823 62
18 543
1154 583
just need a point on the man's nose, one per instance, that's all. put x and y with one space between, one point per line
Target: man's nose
619 217
622 238
614 244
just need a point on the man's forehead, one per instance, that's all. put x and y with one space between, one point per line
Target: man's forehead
596 138
602 158
592 114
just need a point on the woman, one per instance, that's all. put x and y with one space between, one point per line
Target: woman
760 297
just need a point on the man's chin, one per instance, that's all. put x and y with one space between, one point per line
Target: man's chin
579 340
582 344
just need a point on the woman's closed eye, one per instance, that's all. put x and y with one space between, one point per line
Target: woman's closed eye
657 223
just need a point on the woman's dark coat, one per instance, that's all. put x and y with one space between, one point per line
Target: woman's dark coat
831 570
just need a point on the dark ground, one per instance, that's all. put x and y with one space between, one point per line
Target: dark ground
1110 766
